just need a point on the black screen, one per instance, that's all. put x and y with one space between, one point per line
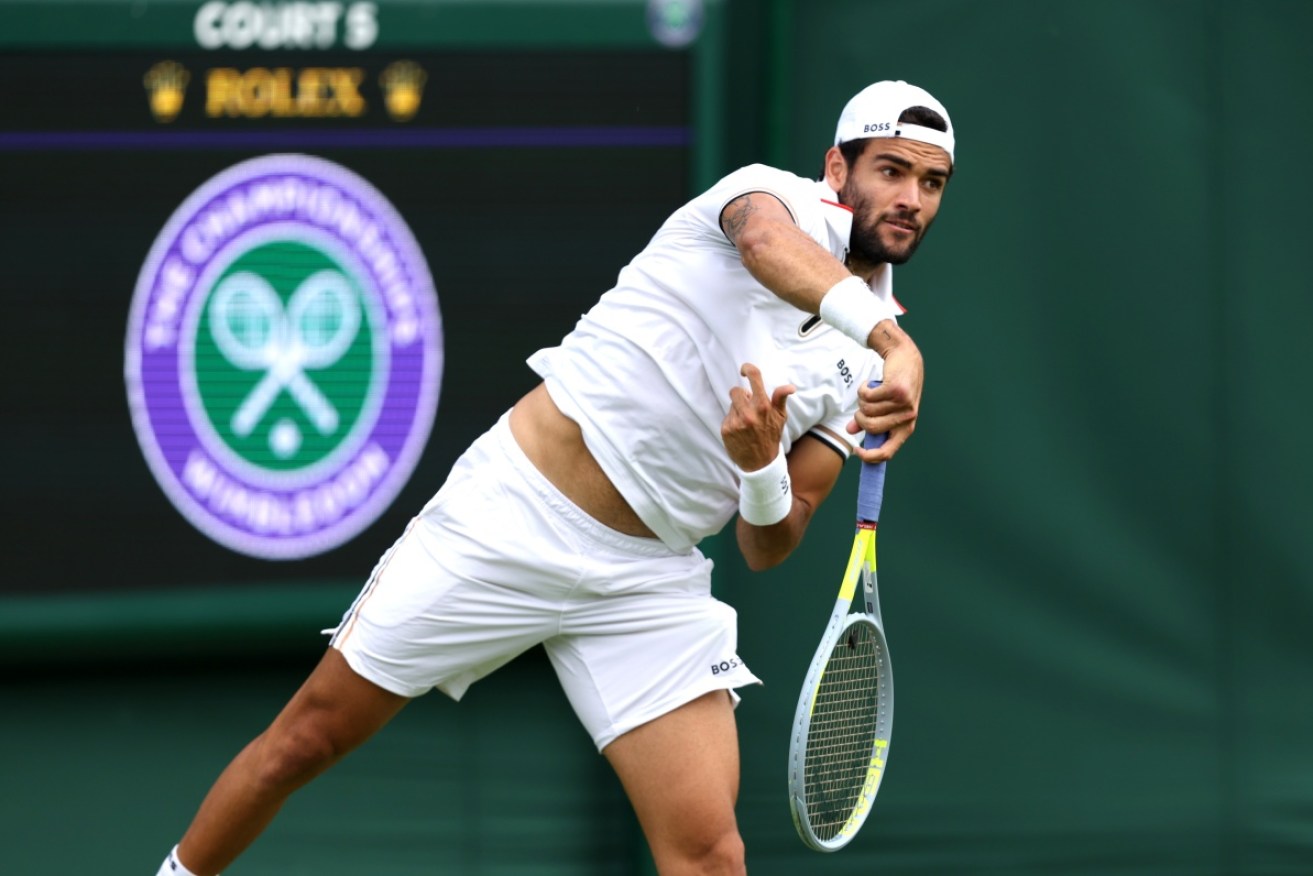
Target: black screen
527 179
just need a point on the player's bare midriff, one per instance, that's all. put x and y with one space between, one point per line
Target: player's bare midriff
555 446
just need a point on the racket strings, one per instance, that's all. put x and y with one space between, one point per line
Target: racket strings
842 731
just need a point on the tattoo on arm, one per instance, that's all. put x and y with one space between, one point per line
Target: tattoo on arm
735 216
881 338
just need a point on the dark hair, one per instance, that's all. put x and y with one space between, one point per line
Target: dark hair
915 115
923 116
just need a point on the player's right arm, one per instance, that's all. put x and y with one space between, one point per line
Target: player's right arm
780 255
787 261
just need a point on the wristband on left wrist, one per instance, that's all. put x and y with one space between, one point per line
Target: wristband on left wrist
766 495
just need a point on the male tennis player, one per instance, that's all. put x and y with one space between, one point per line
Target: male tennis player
701 386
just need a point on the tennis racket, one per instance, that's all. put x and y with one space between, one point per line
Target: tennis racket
846 709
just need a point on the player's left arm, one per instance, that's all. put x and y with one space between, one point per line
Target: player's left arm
814 467
751 433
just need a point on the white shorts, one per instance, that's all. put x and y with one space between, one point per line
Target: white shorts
499 561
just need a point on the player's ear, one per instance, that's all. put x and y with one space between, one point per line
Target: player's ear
836 168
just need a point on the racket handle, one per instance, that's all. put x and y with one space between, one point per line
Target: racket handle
870 489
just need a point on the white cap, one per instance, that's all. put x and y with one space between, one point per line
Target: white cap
874 112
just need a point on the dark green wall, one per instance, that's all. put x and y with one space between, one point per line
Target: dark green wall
1093 562
1094 569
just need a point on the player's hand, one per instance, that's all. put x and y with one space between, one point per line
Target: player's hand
751 430
894 405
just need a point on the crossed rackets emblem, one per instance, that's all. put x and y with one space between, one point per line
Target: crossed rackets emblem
255 332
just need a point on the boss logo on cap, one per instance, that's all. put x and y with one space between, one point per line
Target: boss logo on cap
875 128
283 356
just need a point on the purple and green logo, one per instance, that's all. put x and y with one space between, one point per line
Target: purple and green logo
284 354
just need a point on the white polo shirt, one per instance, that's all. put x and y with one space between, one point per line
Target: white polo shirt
647 371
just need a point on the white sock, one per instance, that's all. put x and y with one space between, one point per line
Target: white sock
173 867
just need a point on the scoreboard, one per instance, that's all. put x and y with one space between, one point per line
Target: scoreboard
269 267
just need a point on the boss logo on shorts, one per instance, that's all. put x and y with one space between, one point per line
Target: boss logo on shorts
725 666
283 356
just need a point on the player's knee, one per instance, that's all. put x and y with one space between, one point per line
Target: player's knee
726 855
720 853
291 757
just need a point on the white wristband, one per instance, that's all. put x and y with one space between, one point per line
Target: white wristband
852 308
765 495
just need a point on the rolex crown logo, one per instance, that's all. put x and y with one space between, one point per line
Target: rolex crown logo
403 89
166 83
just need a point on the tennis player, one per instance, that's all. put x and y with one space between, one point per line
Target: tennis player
724 374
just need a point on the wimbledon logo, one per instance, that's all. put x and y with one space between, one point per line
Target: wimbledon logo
284 353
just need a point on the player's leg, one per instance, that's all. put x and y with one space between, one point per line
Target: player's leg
649 664
681 772
333 712
416 625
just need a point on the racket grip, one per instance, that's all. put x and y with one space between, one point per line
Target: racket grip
870 489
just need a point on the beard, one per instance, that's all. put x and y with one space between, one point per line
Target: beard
864 243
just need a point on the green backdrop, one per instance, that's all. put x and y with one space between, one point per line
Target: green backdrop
1093 560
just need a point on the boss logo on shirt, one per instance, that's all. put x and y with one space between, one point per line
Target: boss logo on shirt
845 372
